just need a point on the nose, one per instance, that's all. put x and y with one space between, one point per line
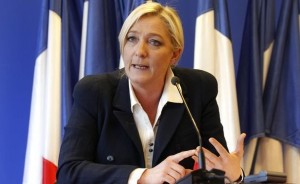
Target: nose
141 49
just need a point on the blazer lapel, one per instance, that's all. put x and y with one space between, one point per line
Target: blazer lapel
171 117
169 121
123 113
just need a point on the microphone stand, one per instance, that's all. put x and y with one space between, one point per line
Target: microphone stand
201 175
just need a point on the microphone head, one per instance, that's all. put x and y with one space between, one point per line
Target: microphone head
175 80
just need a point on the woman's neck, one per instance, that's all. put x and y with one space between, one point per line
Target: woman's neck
149 98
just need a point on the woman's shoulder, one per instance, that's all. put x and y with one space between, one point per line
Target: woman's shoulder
98 83
194 75
197 82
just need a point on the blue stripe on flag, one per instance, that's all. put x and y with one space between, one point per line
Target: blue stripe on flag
269 21
71 38
205 6
56 6
221 17
43 29
222 23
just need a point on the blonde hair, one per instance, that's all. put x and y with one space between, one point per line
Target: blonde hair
166 13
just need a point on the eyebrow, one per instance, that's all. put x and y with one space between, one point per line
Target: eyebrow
150 34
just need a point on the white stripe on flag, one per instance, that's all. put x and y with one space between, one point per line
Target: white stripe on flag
204 43
53 90
34 152
83 39
213 53
266 62
121 64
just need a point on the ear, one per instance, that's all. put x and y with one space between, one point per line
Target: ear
176 56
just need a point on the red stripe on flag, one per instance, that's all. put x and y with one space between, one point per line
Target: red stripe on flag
196 166
49 172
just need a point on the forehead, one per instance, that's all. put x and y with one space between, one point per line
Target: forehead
150 23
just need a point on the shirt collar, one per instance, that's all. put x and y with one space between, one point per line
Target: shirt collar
170 93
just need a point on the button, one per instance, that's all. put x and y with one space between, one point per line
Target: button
150 150
110 158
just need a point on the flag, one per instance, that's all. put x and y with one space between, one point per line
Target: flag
257 46
255 55
45 114
282 92
213 53
279 73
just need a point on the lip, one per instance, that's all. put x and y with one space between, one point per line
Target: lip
140 66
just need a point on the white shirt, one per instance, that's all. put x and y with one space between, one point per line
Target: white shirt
146 131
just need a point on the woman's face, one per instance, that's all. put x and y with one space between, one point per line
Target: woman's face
148 52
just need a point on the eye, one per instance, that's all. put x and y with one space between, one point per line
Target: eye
154 42
131 39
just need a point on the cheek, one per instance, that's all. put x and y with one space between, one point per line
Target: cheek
126 56
164 60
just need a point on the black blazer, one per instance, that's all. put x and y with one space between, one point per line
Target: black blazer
101 142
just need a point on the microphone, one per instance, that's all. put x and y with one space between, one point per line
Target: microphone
200 175
201 160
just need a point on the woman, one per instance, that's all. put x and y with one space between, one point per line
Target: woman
130 126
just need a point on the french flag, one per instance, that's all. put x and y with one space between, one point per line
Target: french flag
213 53
45 115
